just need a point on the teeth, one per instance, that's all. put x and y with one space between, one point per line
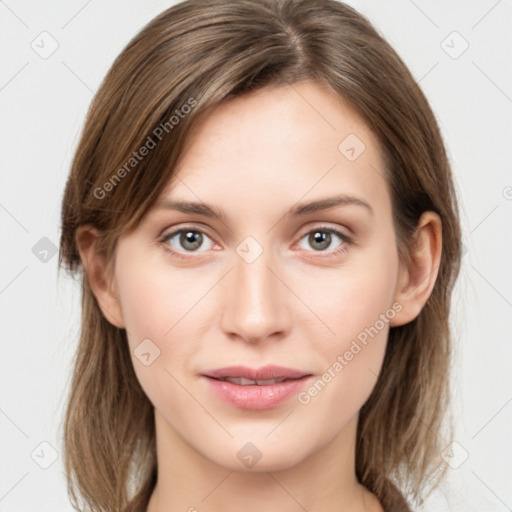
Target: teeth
241 381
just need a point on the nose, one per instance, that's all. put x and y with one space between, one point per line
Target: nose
255 307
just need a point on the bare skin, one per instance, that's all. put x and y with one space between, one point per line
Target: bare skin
299 304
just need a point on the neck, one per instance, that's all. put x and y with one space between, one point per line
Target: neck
324 482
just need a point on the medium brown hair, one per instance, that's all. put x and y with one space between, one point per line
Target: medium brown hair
204 53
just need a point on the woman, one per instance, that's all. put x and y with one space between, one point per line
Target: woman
225 360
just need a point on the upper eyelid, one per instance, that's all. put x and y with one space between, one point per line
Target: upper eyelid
323 227
174 231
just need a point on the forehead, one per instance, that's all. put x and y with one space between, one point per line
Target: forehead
279 145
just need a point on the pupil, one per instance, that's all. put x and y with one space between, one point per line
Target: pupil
193 237
323 238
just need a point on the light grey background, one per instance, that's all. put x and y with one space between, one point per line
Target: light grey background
43 101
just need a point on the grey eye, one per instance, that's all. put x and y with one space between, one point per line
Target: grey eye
188 239
321 239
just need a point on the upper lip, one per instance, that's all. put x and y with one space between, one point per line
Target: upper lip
263 373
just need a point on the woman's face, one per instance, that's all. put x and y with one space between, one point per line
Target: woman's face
275 280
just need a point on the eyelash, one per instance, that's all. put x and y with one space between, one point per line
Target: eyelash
178 254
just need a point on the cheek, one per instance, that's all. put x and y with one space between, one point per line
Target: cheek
157 306
358 307
355 296
155 299
360 318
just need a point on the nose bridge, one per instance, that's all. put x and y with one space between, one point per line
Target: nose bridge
254 307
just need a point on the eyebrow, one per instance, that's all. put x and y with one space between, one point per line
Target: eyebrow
317 205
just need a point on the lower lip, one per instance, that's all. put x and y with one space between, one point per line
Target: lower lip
256 397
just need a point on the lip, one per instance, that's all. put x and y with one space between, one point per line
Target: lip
256 397
263 373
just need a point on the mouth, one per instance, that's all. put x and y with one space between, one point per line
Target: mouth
269 374
256 389
241 381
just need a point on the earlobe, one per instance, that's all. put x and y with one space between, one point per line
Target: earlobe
100 279
416 280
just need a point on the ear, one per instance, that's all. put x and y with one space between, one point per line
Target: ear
417 278
101 280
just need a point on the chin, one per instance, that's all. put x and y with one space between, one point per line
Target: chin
258 456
